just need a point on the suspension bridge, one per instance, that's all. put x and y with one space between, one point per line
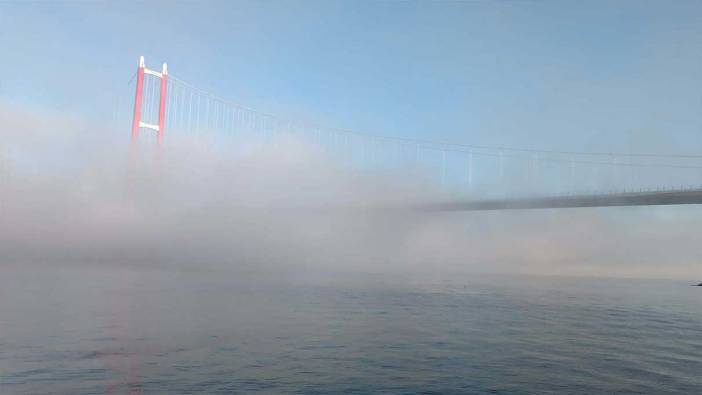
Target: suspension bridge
474 177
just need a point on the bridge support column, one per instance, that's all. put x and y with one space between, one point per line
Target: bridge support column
162 104
136 120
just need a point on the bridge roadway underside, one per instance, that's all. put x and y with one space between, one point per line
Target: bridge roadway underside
654 198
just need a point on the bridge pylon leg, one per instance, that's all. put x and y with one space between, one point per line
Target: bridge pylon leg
162 104
138 99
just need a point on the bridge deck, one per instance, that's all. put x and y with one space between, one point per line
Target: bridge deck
652 198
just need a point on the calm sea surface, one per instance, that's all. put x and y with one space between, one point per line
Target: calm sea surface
117 330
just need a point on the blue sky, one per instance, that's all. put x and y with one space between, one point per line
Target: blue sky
619 75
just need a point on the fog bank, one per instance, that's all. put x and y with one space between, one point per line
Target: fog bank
70 195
